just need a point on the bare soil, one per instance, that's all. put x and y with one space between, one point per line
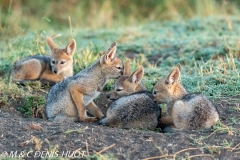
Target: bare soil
36 137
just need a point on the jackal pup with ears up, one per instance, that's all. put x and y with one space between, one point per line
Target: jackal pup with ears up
68 100
185 111
133 106
53 68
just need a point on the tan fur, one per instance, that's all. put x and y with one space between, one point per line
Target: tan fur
185 111
133 106
53 68
125 85
71 98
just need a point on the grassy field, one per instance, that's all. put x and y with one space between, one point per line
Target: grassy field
207 49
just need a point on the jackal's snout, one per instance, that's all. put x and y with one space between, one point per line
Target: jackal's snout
152 96
55 71
111 96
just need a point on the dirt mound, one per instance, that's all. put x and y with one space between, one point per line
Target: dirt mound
39 138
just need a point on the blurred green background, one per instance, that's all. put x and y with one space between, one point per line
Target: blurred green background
19 16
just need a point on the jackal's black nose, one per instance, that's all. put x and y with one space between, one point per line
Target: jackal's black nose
108 96
121 72
55 71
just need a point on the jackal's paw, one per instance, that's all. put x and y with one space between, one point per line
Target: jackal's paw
102 121
100 115
89 119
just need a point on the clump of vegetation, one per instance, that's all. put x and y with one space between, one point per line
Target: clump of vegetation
33 106
9 93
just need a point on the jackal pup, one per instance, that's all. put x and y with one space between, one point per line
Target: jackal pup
51 68
68 100
133 106
185 111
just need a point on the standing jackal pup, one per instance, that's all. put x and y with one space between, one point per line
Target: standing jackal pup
133 107
185 111
69 99
51 68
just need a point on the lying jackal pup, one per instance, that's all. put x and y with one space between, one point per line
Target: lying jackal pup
51 68
185 111
68 100
133 107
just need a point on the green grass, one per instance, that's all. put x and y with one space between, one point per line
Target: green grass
208 50
9 93
31 105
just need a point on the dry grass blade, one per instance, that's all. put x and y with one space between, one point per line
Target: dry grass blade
157 157
58 35
235 148
70 25
212 133
77 150
26 142
36 141
87 148
201 155
76 130
187 149
222 127
106 148
171 155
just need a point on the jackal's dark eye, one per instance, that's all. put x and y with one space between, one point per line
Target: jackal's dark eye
119 89
62 62
155 92
119 67
53 62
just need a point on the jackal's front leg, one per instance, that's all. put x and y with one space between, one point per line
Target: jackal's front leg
49 76
77 97
94 110
166 120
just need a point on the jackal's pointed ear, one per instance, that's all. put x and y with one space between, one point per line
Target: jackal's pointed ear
174 75
50 43
137 75
71 47
127 70
110 54
179 67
